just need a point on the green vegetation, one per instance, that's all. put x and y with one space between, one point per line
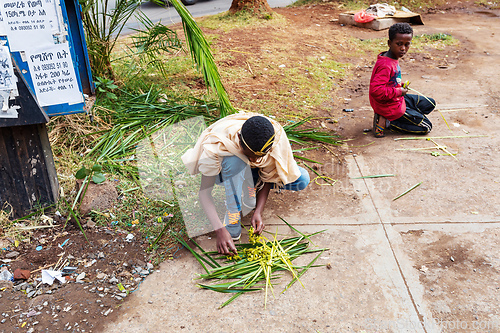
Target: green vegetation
438 41
227 22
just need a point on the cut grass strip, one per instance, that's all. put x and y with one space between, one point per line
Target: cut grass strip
375 176
408 190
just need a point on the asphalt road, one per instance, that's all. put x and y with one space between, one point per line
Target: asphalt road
168 15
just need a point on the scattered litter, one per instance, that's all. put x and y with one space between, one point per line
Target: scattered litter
90 263
12 254
348 110
80 276
68 270
5 275
129 237
63 243
48 276
39 248
452 259
32 313
329 266
456 124
46 219
122 288
424 269
281 66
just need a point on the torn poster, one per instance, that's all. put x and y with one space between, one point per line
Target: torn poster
28 22
53 75
7 78
3 32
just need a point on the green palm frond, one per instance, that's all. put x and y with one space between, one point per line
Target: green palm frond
202 56
304 136
151 41
103 21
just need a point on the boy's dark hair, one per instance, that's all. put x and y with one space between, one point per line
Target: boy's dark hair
256 132
399 28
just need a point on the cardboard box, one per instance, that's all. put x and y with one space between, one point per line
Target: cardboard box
382 23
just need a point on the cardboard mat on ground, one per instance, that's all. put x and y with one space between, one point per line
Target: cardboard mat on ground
381 23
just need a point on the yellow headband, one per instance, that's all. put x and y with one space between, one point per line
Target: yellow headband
262 151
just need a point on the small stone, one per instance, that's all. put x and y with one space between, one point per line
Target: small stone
452 259
101 276
31 293
150 302
180 183
150 266
100 255
80 277
113 280
12 254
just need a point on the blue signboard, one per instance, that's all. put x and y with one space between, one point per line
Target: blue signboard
46 41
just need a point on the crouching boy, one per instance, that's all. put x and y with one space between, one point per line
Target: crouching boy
248 154
394 108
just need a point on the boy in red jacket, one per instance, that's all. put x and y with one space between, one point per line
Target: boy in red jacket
392 105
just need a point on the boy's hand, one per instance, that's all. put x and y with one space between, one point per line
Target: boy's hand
257 223
225 244
403 91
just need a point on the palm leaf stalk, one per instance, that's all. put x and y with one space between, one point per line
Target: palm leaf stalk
305 136
257 266
202 56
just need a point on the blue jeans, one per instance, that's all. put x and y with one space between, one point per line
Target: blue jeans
237 175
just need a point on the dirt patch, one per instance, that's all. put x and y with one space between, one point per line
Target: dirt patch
454 270
106 270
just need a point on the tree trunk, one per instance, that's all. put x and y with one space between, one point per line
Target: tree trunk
254 6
